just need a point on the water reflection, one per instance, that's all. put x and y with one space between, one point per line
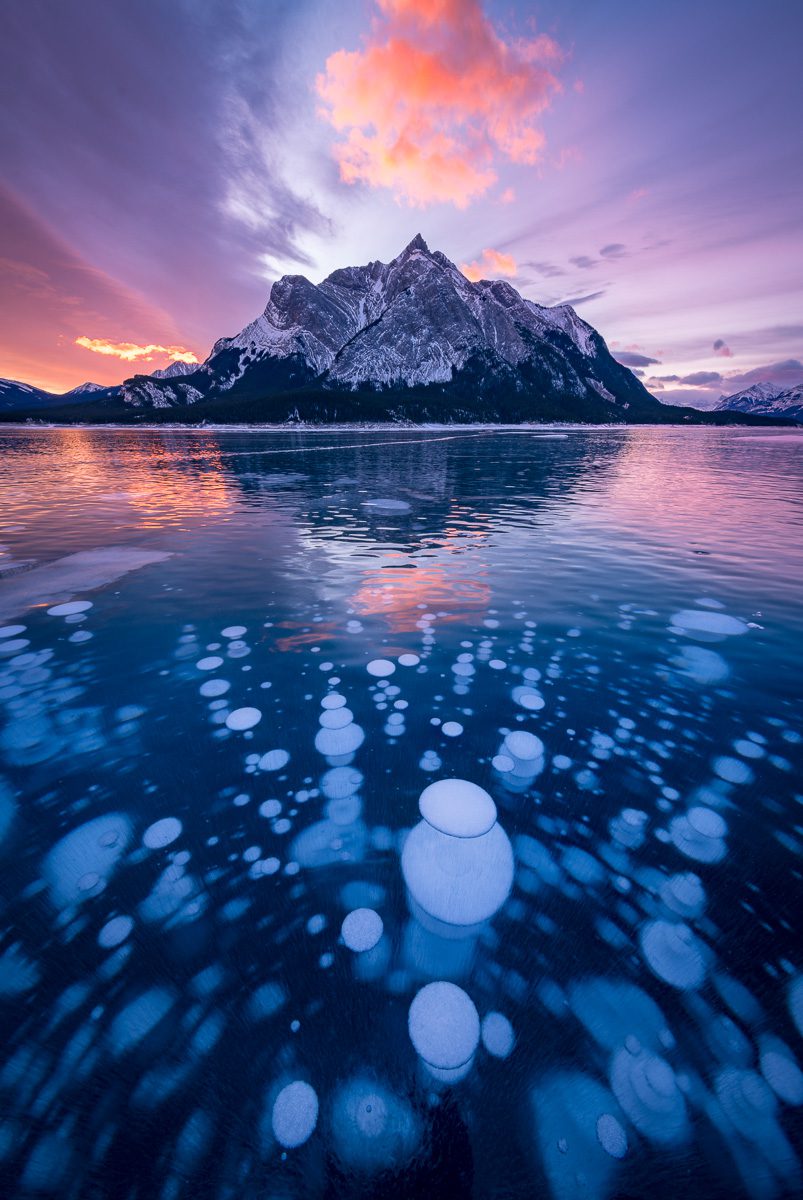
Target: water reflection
414 818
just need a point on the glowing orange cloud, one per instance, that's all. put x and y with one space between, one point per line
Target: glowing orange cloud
130 351
493 262
435 96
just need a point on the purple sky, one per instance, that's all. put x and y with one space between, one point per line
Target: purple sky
164 161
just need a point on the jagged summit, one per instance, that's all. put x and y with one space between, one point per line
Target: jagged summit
414 324
766 399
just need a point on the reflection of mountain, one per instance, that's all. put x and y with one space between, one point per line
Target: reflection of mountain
452 483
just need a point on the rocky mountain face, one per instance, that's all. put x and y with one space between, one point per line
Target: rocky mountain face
766 399
412 339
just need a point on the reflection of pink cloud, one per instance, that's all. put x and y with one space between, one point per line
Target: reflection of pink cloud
131 351
433 98
493 262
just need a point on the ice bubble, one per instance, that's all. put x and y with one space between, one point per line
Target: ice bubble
336 718
295 1114
7 809
340 782
211 663
451 728
647 1090
387 506
243 718
582 866
162 833
409 660
611 1136
214 687
779 1068
614 1011
528 698
268 999
568 1109
333 700
444 1025
706 625
233 631
70 609
796 1002
525 747
461 881
502 762
498 1037
705 667
115 931
362 929
372 1129
747 1101
17 973
334 743
674 954
684 894
732 770
274 760
628 828
8 631
699 834
457 807
90 852
380 667
139 1018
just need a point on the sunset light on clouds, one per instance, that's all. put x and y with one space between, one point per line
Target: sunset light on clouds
131 352
491 264
300 140
434 98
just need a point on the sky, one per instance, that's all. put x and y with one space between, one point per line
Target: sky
163 162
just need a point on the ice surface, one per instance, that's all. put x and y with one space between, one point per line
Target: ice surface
82 572
444 1025
295 1114
457 807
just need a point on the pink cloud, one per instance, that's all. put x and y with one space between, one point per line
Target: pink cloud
492 262
433 100
721 350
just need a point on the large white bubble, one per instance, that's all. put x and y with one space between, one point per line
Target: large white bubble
295 1114
444 1025
81 863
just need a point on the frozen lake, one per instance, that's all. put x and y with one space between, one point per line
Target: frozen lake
249 950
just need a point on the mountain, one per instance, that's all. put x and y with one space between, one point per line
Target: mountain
175 368
765 399
14 395
83 389
409 339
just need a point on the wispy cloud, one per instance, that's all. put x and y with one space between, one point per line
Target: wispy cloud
576 300
583 262
614 250
131 352
628 359
492 262
721 349
435 98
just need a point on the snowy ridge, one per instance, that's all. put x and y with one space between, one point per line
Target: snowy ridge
766 399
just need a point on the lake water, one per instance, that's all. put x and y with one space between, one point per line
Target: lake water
231 663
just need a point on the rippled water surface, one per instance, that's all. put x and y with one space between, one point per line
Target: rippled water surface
239 958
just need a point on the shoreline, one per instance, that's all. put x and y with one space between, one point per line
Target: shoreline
776 424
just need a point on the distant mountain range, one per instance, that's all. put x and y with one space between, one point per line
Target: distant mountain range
409 340
765 399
